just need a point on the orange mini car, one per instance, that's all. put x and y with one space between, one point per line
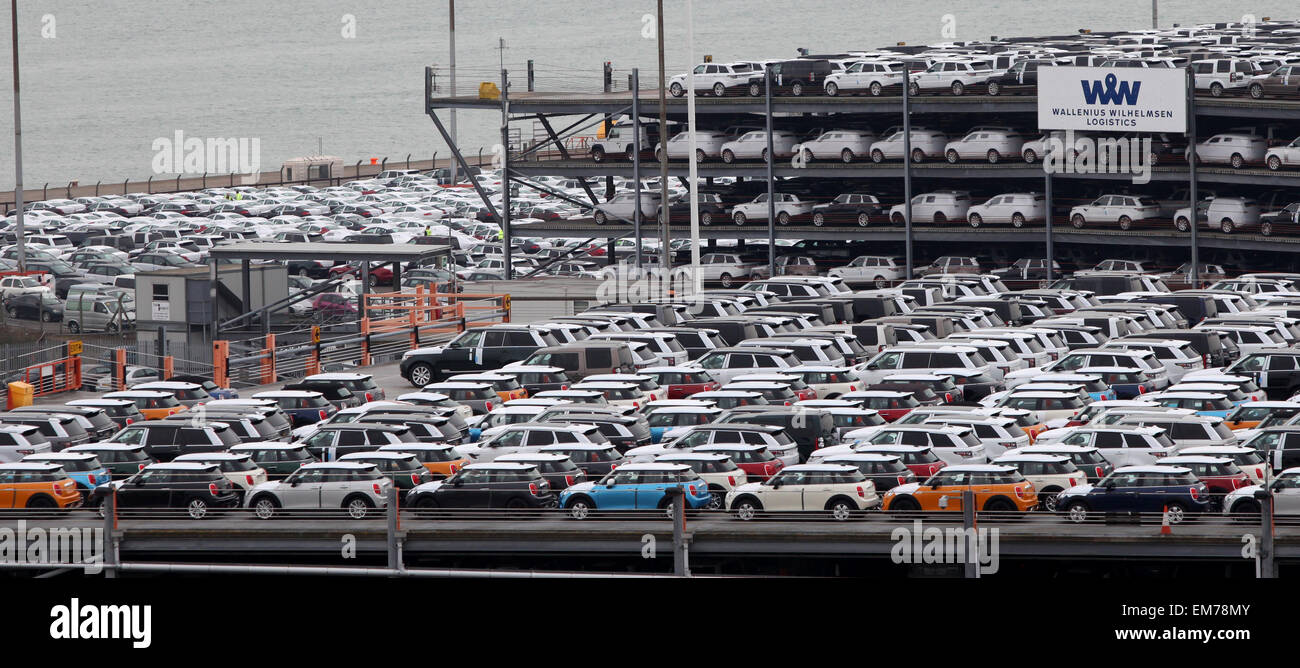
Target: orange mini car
996 488
441 459
153 404
37 485
507 387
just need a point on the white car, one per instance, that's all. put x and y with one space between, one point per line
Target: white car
238 468
990 145
1220 75
753 145
1285 490
872 76
953 76
952 444
526 437
876 268
714 77
12 286
1283 156
1236 149
1122 209
1223 213
844 145
1050 474
616 394
938 207
925 144
1014 208
726 268
623 205
841 489
787 207
354 487
1036 149
721 474
707 145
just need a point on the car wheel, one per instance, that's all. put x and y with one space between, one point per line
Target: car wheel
1077 511
1274 163
1017 219
264 507
738 217
1226 226
958 88
717 499
913 89
74 327
864 220
700 156
726 280
580 507
876 88
877 155
747 508
706 218
13 312
846 156
600 218
1125 222
41 501
994 156
1257 91
975 220
728 156
1047 499
357 507
897 219
598 154
832 89
1246 507
1216 90
763 155
1077 221
631 154
1266 229
719 90
421 374
754 90
1180 224
841 508
999 505
918 155
796 89
905 504
1029 156
1177 513
516 504
994 88
197 508
676 89
881 283
939 218
783 218
1237 161
659 155
819 219
952 156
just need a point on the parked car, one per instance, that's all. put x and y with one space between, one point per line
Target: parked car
196 488
355 487
1171 490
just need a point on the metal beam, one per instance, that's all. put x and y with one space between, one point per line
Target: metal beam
460 159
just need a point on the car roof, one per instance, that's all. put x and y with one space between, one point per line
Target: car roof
203 456
1152 469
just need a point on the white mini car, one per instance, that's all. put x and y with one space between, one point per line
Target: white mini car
355 487
841 489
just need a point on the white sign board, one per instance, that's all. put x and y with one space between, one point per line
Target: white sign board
162 310
1118 99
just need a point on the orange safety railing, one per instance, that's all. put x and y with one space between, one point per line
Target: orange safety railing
62 375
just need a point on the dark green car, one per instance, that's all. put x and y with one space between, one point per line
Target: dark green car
121 459
279 459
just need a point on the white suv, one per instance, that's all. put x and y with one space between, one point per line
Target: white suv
354 487
841 489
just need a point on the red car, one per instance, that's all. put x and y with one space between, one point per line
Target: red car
381 275
1220 474
891 404
918 459
334 304
680 383
756 461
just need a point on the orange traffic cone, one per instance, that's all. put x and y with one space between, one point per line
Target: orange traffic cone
1165 530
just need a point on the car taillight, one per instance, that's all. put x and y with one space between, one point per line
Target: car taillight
532 488
1194 492
129 420
636 404
568 480
821 443
322 414
731 480
415 478
947 396
249 478
767 469
934 468
378 490
488 405
653 397
853 388
1142 389
212 487
902 480
141 466
862 492
370 397
692 488
564 387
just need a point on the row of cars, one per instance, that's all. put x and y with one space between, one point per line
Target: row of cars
1256 60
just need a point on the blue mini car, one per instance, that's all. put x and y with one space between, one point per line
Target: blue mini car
1138 489
1096 387
636 487
1212 404
83 467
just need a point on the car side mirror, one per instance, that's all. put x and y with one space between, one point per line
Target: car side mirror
457 482
610 483
295 483
1109 486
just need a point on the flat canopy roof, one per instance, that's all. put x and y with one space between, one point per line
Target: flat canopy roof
258 250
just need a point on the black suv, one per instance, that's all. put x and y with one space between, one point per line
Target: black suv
810 428
474 350
491 485
332 441
794 77
165 439
197 488
1276 371
335 392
